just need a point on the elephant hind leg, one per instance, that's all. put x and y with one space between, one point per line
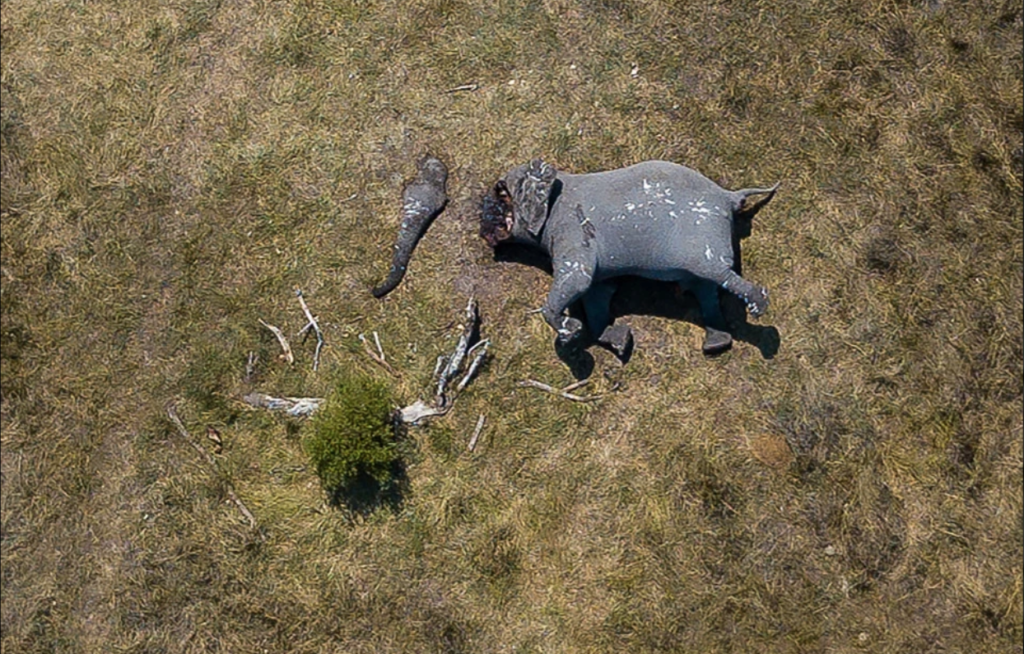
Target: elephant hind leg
756 297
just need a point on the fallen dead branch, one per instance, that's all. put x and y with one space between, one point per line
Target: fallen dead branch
448 368
418 410
446 374
311 324
453 364
481 351
562 392
288 356
293 406
205 454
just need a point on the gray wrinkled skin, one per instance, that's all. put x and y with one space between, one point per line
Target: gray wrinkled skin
423 199
656 219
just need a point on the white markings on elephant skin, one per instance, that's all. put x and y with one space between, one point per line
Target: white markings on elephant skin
659 192
567 327
411 209
569 268
698 207
656 194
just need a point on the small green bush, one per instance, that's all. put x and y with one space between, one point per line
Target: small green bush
352 436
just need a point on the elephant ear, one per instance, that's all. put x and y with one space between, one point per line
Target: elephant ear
531 195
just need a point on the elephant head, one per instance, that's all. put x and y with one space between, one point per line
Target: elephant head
517 208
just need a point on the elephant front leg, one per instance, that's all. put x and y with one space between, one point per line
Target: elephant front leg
572 280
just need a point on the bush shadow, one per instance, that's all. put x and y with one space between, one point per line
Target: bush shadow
366 495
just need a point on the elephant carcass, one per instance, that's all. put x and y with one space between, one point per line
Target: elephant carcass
657 219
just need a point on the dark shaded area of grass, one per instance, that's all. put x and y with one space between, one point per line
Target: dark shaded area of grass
846 478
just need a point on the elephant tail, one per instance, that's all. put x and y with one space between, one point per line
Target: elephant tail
423 199
746 209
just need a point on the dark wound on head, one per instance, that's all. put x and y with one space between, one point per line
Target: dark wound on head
496 215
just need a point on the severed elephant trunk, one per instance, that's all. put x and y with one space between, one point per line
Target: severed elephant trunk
424 198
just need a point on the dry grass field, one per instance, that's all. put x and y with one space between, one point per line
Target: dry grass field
848 478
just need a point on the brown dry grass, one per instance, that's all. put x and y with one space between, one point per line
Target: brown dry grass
172 171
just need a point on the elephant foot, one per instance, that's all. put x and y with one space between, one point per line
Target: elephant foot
570 332
618 338
757 301
716 341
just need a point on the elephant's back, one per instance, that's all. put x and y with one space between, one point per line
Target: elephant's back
646 178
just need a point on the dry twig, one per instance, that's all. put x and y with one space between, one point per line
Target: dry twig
380 350
464 87
563 392
289 357
205 454
312 323
476 433
378 358
573 386
250 366
446 370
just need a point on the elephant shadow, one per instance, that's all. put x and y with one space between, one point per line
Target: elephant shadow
644 297
637 296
